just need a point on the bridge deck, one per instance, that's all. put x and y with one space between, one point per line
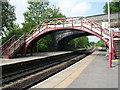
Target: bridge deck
5 61
91 72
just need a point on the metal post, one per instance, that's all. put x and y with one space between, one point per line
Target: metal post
113 47
110 40
72 22
31 52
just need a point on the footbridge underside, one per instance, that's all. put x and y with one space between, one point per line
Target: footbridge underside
64 37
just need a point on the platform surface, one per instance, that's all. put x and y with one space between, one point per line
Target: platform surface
98 74
5 61
91 72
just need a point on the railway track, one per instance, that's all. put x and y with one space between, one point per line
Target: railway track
26 74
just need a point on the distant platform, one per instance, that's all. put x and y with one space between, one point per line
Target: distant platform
6 61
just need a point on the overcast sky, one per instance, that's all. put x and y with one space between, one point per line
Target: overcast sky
68 7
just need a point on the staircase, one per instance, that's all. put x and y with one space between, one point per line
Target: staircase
12 46
7 44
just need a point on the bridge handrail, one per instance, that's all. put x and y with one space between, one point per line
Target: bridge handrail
55 21
16 44
98 26
20 41
116 33
8 42
72 19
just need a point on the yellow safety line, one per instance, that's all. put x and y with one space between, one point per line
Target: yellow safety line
116 60
73 76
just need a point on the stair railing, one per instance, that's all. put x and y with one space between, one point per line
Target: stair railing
8 43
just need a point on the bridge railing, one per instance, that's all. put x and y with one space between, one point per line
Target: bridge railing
95 26
116 34
76 21
32 31
8 43
57 23
16 45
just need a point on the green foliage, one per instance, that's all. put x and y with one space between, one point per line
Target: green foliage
54 12
36 14
92 43
8 16
80 42
100 43
28 26
15 31
114 7
46 43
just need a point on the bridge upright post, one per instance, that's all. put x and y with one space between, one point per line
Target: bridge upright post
101 31
63 23
55 22
81 21
72 21
25 48
110 50
31 52
113 47
91 25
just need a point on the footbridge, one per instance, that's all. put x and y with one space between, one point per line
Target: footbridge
11 47
62 37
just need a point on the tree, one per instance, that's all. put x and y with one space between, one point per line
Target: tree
92 43
46 43
114 7
36 14
8 17
80 42
14 31
100 43
54 12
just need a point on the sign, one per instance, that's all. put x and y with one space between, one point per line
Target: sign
105 25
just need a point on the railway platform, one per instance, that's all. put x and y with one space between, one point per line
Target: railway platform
90 72
6 61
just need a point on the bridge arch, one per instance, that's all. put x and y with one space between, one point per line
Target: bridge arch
50 30
61 43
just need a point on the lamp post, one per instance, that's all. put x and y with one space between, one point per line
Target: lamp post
110 39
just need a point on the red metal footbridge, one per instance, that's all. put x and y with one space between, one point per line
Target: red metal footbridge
15 43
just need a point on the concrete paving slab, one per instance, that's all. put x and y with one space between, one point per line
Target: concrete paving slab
98 74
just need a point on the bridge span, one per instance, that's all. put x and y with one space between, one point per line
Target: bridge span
11 47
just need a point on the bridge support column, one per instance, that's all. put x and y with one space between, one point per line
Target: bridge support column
113 48
25 51
31 50
25 48
110 50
